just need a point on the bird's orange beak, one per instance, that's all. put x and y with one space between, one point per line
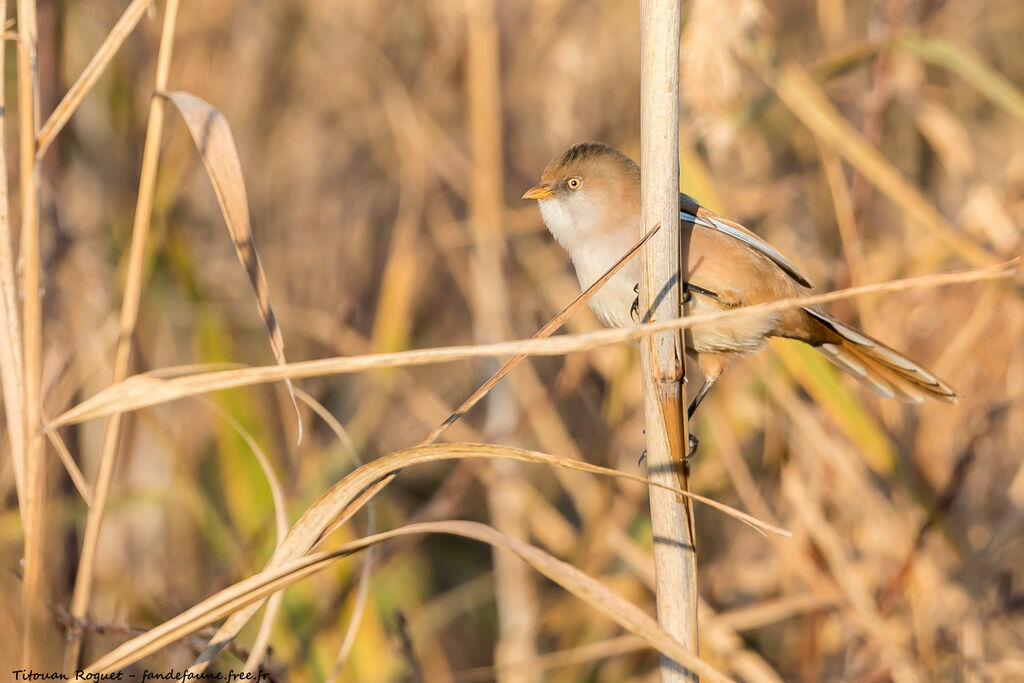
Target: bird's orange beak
537 192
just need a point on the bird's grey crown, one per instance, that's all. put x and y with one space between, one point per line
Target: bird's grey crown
582 151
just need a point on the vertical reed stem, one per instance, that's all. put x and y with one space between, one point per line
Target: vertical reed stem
12 366
663 361
129 316
514 587
34 599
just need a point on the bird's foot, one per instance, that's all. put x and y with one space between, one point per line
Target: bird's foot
691 451
634 310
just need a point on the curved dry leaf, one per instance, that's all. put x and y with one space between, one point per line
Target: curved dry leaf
250 591
212 135
143 391
346 497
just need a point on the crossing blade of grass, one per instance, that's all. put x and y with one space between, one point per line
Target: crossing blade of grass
77 478
212 135
273 579
546 331
142 391
350 494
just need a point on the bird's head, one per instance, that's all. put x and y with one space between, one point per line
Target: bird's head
588 190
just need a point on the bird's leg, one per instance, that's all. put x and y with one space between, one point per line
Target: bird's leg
701 393
712 366
709 375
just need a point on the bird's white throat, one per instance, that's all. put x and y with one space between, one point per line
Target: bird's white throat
576 224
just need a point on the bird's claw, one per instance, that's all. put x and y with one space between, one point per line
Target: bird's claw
634 310
693 443
689 288
691 451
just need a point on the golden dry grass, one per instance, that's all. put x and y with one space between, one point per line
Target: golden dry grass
868 141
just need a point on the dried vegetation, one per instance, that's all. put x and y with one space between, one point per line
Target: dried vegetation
383 147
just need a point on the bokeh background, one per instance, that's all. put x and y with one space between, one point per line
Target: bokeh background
385 146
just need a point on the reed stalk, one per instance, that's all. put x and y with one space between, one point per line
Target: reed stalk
129 316
662 354
514 586
34 518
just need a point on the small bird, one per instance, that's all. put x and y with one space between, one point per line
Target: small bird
589 197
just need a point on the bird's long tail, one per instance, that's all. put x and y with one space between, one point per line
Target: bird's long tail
880 368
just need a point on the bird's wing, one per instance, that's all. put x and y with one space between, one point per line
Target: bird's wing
691 211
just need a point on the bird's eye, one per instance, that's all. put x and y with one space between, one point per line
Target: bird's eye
574 183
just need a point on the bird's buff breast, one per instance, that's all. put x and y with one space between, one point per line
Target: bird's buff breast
613 302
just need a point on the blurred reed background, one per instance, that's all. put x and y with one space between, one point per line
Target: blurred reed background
385 146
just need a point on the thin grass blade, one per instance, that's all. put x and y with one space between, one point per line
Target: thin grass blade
250 591
142 391
212 135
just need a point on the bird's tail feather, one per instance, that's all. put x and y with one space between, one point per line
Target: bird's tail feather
880 368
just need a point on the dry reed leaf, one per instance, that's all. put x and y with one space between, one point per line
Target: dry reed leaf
142 391
212 135
346 497
77 478
274 579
